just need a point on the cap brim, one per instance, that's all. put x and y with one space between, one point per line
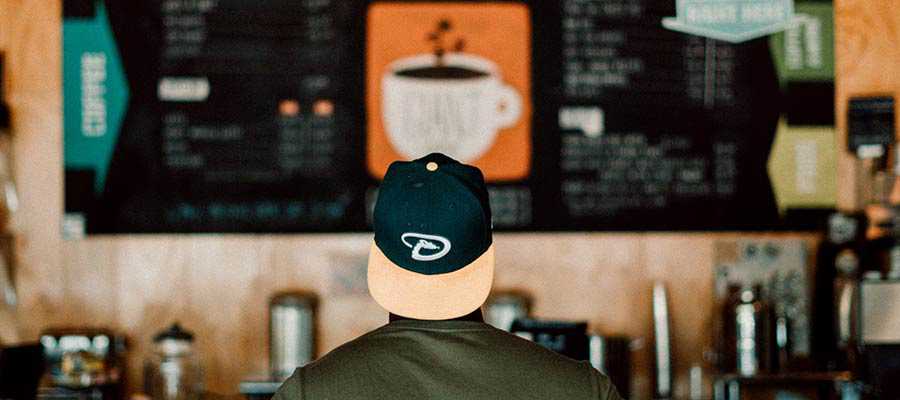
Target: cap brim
430 297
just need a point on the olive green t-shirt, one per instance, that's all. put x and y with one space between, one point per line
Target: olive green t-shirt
411 359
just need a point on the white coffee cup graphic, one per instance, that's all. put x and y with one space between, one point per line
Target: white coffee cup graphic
456 108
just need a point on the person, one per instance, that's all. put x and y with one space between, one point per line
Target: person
431 267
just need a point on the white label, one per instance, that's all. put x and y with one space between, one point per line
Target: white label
93 94
793 49
807 163
813 42
588 119
183 89
870 151
73 226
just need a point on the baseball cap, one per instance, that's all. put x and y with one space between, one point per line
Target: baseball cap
432 257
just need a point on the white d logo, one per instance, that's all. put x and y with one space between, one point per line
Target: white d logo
438 246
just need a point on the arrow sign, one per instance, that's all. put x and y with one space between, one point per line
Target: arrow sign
731 20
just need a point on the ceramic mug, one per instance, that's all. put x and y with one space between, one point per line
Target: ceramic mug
456 108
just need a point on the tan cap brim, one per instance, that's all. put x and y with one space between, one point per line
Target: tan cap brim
430 297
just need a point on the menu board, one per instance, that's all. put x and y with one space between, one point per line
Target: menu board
283 115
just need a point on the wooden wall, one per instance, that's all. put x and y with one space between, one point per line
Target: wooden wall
218 286
867 63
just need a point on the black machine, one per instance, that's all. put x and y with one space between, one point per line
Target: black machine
21 368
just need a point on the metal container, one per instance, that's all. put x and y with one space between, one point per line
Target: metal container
750 329
880 335
292 332
662 344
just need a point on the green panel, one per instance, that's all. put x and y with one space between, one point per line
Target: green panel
95 93
805 52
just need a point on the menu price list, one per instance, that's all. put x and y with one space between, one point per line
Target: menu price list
248 114
286 124
617 172
652 122
303 146
616 49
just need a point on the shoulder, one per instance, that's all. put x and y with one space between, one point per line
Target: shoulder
603 386
351 354
291 388
556 367
534 353
340 359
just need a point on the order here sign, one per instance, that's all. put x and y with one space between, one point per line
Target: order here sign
731 20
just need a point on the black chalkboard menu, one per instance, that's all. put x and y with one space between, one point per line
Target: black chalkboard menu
282 115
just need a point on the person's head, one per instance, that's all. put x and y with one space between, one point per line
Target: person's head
433 254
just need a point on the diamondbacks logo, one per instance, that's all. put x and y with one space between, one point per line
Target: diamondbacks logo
426 247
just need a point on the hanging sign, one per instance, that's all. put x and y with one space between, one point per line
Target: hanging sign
731 20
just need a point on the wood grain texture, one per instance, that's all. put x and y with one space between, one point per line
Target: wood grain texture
867 63
219 286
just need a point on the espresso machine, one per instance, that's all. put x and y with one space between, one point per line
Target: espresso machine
874 337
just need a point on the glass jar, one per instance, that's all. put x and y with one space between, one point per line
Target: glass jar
173 371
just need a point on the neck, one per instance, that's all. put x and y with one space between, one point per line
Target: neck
474 316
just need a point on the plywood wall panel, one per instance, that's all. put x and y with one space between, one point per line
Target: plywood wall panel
31 42
867 63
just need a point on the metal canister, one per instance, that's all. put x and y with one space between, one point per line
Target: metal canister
662 343
292 332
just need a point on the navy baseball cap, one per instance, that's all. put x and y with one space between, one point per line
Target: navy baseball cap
432 256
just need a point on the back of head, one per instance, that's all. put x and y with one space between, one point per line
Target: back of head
432 257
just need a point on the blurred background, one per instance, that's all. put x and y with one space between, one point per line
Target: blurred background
702 211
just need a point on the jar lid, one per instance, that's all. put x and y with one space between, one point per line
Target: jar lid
295 298
174 332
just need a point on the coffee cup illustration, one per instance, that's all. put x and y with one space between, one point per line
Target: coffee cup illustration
456 105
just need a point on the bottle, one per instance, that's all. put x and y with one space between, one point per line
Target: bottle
9 200
838 262
781 322
751 332
883 247
846 288
173 371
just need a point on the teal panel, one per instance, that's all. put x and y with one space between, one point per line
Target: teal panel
95 94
